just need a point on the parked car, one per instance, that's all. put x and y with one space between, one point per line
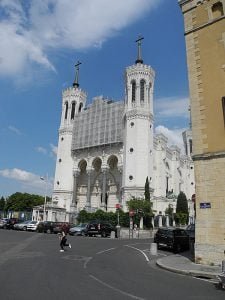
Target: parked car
175 239
62 226
3 222
190 230
79 229
32 226
8 223
99 228
22 225
46 226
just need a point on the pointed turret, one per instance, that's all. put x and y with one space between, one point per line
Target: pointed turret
139 58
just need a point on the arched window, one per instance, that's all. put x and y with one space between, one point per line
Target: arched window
133 96
80 107
66 110
73 110
217 10
142 90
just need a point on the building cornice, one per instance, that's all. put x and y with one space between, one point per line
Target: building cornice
208 156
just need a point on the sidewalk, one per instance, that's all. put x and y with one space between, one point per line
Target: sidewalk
182 264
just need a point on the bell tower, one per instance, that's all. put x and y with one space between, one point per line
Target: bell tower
138 127
73 103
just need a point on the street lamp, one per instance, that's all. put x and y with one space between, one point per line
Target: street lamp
46 186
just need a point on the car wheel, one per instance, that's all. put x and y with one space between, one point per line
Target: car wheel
158 246
48 231
24 228
177 248
104 234
82 233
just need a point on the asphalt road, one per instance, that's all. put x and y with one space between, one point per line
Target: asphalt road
31 267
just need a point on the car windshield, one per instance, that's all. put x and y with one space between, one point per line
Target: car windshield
33 222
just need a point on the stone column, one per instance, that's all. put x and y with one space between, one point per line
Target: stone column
73 205
75 175
120 168
160 220
103 187
88 203
167 221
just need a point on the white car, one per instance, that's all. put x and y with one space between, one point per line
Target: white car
22 225
32 226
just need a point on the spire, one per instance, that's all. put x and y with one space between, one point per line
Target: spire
139 59
76 84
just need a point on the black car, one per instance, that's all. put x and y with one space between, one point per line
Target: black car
99 228
174 238
46 227
190 230
9 223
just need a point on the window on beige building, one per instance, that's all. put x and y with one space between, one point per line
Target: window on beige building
217 10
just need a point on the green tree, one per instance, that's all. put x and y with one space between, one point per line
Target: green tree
141 205
169 210
147 190
182 209
23 201
2 203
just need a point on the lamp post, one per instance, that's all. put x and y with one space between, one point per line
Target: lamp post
45 179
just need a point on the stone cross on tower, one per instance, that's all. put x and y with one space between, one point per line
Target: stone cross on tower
76 84
139 59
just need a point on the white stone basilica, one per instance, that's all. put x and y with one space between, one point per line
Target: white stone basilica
107 149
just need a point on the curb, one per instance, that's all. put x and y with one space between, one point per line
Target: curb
193 273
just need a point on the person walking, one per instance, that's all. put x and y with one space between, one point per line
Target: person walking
63 241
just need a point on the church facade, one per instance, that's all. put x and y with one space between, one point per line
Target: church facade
107 149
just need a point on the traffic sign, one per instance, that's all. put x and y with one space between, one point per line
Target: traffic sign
118 205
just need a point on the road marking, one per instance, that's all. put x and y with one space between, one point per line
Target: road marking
115 289
100 252
146 257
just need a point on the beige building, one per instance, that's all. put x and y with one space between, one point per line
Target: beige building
204 23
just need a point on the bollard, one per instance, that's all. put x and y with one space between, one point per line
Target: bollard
118 231
223 266
112 235
153 249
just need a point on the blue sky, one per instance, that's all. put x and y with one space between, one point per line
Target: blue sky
40 43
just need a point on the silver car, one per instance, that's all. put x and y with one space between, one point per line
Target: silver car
32 226
22 225
80 229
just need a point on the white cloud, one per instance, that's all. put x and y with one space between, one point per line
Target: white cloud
174 136
54 149
28 180
14 129
38 26
171 107
41 150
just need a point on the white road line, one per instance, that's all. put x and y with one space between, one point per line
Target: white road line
115 289
146 257
105 250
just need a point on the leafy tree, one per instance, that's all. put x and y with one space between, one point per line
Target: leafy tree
147 190
169 210
110 217
2 203
140 205
23 201
182 209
